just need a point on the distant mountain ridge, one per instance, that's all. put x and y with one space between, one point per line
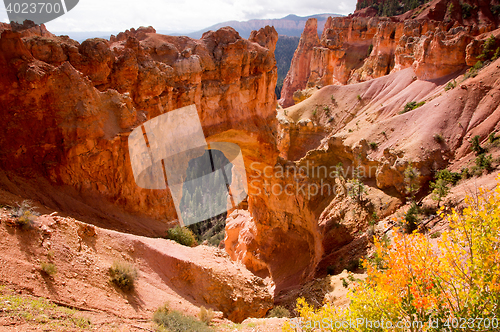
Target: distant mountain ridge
291 25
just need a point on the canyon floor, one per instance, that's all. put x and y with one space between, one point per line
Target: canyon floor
79 296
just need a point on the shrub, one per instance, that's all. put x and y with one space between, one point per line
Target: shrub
471 73
216 239
326 108
40 313
279 312
435 235
488 50
411 106
163 310
345 284
476 145
465 173
333 99
181 235
466 10
351 277
376 259
353 265
457 280
450 85
411 176
174 321
356 189
478 65
496 55
26 220
411 219
495 9
483 162
374 219
373 145
359 97
370 49
205 315
48 268
385 240
24 215
450 8
493 139
123 275
438 138
450 177
440 189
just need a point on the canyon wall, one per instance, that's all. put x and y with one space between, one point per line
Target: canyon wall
358 78
431 39
308 212
70 108
299 67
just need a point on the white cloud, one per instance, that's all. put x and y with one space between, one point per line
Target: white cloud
182 15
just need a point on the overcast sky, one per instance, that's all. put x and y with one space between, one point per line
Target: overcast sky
182 15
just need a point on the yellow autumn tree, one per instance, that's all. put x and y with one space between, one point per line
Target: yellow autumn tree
418 285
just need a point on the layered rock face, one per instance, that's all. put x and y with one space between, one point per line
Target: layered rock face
358 48
299 68
311 216
343 46
477 14
70 109
359 126
71 106
467 12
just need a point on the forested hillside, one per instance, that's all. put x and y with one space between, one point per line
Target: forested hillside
390 7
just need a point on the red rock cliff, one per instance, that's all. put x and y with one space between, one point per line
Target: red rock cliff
70 107
433 39
300 69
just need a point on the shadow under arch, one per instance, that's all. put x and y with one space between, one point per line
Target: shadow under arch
206 192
